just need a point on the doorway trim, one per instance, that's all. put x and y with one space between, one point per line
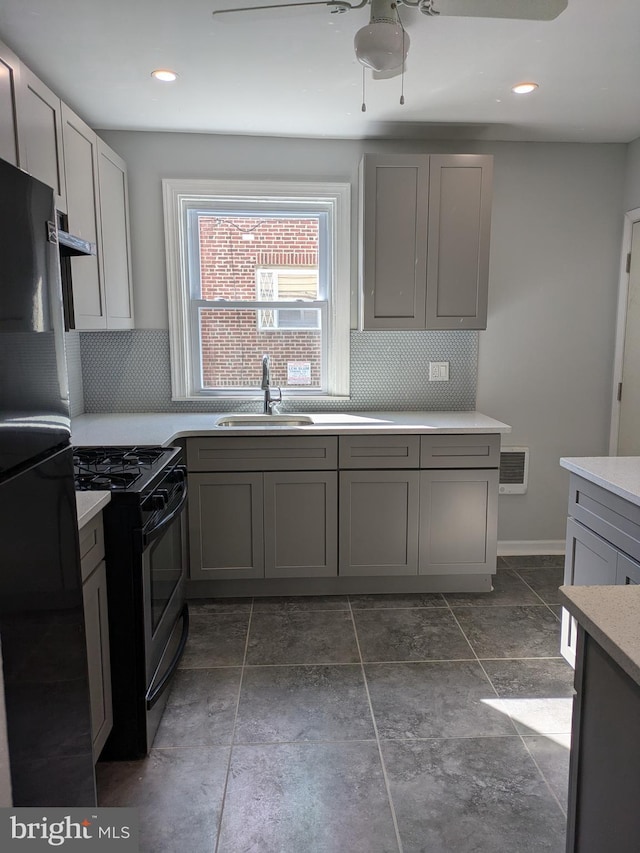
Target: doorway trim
630 219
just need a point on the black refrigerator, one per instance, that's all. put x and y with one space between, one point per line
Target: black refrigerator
44 661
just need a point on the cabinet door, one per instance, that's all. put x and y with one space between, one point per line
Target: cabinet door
458 521
40 126
9 93
379 522
96 616
588 560
300 524
393 240
458 241
81 160
115 252
627 571
226 526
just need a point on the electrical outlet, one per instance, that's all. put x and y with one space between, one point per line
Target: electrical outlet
438 371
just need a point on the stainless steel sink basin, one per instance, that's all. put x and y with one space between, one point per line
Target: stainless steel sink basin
263 420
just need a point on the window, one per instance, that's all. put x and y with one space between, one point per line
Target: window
258 268
288 284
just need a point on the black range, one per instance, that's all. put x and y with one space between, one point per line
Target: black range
145 552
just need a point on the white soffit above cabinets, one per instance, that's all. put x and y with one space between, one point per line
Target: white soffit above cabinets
293 72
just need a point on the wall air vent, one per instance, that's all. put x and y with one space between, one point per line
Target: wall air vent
514 470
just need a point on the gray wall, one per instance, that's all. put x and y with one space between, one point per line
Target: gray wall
632 182
545 360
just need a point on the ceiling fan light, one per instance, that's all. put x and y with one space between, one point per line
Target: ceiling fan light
381 45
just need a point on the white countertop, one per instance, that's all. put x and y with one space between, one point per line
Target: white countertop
89 504
163 428
617 474
611 614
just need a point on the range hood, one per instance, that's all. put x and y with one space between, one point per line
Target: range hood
71 246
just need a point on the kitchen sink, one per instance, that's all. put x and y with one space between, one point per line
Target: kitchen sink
263 420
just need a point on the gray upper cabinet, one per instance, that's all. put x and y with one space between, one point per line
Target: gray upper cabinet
115 244
393 208
40 134
9 95
81 161
425 224
460 193
40 130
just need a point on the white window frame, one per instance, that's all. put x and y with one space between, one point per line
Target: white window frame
278 326
182 195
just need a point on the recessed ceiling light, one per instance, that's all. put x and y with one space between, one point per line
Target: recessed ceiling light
164 74
524 88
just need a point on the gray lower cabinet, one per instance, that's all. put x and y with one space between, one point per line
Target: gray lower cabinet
424 229
603 546
226 527
379 520
254 525
604 783
96 618
458 521
300 524
348 506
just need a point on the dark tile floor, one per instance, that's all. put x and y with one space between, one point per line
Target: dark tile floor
368 724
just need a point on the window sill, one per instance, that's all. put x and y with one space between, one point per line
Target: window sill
286 400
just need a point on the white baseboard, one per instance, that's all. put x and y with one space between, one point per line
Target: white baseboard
524 547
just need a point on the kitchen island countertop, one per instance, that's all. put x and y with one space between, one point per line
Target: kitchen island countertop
162 428
618 474
611 615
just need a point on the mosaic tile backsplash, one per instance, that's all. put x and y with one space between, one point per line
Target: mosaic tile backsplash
74 373
130 372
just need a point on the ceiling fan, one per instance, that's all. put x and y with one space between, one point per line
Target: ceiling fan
383 43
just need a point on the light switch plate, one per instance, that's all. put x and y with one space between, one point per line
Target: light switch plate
438 371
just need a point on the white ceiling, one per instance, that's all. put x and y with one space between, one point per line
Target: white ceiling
293 72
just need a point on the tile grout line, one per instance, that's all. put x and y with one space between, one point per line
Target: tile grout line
524 581
519 734
486 675
233 730
377 735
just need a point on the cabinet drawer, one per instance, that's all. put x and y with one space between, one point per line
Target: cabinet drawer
263 453
91 545
379 451
460 451
610 516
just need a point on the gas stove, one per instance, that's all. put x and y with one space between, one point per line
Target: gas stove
120 469
146 569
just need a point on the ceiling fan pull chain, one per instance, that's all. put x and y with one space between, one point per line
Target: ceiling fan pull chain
404 59
364 106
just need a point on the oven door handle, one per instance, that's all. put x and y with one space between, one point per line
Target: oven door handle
148 536
154 694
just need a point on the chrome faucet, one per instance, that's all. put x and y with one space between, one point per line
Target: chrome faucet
269 407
